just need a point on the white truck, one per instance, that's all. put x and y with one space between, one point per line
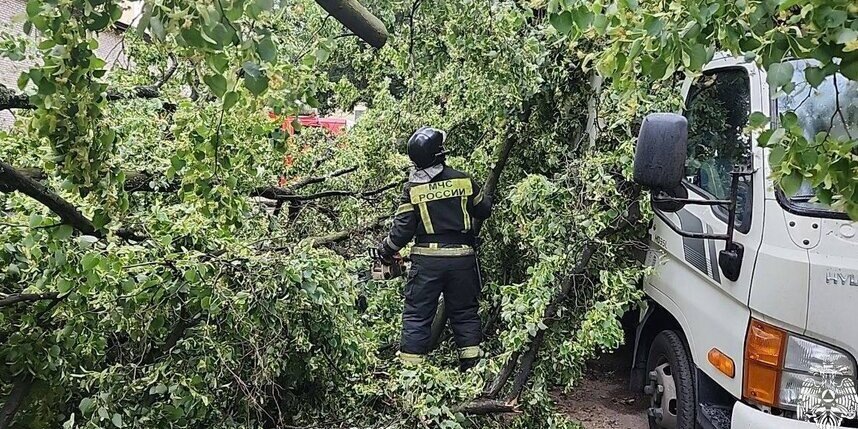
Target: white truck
751 315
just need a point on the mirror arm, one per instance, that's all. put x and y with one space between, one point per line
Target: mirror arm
731 212
694 202
678 230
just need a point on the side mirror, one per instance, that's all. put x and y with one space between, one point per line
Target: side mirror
730 260
661 151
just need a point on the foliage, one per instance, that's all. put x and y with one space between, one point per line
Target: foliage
656 39
226 314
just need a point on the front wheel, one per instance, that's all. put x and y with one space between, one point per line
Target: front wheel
671 384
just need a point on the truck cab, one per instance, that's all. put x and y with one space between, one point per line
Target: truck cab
751 309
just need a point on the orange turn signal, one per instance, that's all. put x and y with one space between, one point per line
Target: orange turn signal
722 362
764 352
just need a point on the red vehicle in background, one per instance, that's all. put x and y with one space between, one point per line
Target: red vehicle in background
335 126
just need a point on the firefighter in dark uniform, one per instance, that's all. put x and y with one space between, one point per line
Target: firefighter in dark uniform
437 209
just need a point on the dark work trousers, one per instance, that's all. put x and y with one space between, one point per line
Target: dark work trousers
430 276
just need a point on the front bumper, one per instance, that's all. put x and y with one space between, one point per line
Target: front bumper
745 417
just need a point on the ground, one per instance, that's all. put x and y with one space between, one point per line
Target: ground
602 400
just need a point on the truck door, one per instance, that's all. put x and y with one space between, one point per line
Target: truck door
713 309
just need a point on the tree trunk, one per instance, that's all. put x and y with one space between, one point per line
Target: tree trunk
358 19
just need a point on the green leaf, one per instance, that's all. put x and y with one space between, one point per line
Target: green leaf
776 137
63 232
322 54
846 35
218 62
251 69
116 420
145 19
35 220
789 120
230 99
256 85
776 155
177 162
583 18
814 76
658 68
699 57
216 83
264 4
779 74
653 26
234 12
600 23
852 211
156 27
34 8
192 38
89 261
562 22
266 50
221 34
824 196
757 119
849 66
85 405
791 183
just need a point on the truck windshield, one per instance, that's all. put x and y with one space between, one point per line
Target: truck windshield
817 112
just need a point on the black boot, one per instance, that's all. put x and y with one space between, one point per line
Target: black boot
466 364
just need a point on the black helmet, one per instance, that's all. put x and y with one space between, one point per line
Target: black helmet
426 147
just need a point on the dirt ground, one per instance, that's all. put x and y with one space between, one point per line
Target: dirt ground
602 400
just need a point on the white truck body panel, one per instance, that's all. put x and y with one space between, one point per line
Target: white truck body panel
799 273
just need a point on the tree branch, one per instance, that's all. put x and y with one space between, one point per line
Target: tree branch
318 179
492 390
168 74
548 318
10 99
282 194
358 19
146 92
176 334
26 297
487 406
16 398
345 234
11 179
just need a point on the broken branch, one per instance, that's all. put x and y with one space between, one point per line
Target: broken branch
27 297
10 99
487 406
343 235
13 180
317 179
358 19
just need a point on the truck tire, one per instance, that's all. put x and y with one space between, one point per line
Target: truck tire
670 384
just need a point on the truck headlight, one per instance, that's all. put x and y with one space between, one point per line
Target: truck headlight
778 363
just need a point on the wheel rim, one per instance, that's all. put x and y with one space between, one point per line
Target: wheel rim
662 392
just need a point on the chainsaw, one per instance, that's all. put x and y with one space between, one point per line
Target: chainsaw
382 271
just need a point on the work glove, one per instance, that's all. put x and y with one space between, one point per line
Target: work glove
385 254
